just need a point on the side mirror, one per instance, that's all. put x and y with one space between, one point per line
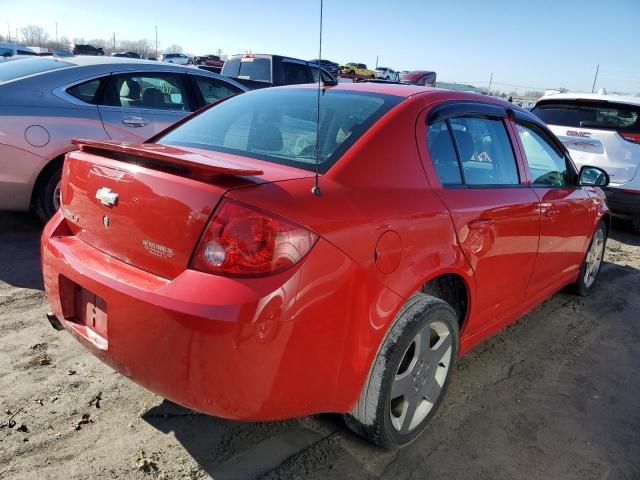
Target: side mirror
593 177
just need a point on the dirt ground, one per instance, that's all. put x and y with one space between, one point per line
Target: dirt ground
555 396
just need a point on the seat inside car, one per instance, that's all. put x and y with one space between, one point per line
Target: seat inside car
152 97
129 93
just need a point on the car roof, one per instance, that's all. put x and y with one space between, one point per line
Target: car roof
405 90
630 99
88 60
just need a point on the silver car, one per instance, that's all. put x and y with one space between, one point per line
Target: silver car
46 102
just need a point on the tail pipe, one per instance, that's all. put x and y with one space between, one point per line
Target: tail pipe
53 320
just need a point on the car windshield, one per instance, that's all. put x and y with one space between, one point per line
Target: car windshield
29 66
279 125
590 114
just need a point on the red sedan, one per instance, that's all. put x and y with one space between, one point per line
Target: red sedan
201 265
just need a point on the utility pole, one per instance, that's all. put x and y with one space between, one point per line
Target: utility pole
376 61
57 45
16 34
156 42
595 78
114 41
8 32
490 82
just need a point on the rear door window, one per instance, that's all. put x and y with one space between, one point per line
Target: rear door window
157 91
213 90
590 114
443 154
483 152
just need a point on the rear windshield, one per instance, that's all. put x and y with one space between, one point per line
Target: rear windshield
248 68
279 125
590 114
29 66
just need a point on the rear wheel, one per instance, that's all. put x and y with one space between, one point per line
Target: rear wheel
592 261
46 198
410 375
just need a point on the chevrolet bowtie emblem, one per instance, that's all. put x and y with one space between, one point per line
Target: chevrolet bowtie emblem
107 197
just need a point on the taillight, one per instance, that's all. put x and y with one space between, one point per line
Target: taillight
630 137
243 241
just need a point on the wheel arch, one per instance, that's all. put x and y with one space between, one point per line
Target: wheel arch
42 175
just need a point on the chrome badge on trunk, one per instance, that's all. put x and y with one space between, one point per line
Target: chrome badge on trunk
107 197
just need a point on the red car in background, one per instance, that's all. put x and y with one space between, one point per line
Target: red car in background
201 265
210 60
422 78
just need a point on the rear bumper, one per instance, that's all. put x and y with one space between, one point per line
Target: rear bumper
623 202
269 348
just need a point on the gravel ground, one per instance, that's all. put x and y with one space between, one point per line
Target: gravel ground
554 396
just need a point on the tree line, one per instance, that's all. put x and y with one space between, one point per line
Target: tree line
36 36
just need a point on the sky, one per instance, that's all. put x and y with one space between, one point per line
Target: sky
536 44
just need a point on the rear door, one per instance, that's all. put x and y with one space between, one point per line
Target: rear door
494 211
137 105
593 132
566 210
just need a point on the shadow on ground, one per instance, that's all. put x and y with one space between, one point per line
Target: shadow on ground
20 250
227 449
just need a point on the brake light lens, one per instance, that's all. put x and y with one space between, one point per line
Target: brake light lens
631 137
244 241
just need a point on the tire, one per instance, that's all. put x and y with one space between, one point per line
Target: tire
592 262
352 73
407 363
46 196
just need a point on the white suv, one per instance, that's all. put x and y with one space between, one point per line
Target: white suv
603 131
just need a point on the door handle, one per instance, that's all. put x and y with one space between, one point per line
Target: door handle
481 225
135 122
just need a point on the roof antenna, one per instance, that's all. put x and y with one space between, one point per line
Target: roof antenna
316 185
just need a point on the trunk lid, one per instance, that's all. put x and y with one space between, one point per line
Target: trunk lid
148 204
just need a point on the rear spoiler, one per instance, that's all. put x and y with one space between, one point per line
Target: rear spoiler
166 157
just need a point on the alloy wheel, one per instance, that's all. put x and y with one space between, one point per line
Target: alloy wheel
56 196
420 376
594 258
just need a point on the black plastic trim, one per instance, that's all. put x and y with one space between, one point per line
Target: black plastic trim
458 108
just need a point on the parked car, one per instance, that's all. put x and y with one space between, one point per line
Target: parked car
8 50
128 55
358 70
332 68
87 50
203 266
402 74
263 70
87 97
389 74
209 60
601 130
178 58
420 77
